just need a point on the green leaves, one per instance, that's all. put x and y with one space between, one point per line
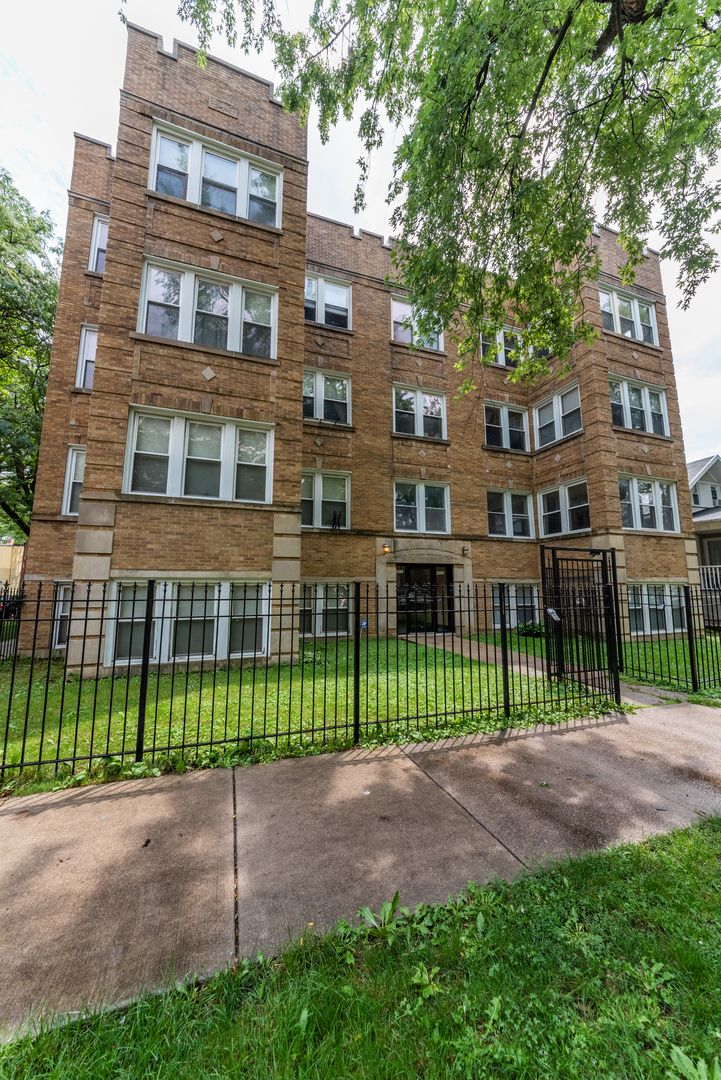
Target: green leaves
686 1068
518 119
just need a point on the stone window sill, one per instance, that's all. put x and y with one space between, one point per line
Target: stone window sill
419 348
205 350
326 326
426 440
506 450
93 274
644 434
631 341
273 229
328 425
188 500
80 390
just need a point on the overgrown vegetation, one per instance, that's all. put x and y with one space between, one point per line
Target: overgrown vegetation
597 967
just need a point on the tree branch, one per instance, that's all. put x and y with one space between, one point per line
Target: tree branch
549 64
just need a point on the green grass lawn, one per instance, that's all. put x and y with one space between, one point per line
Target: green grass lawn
595 968
664 661
412 686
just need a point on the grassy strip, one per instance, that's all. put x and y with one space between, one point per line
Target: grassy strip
30 781
596 967
415 686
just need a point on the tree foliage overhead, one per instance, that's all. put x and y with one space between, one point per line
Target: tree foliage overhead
28 296
519 114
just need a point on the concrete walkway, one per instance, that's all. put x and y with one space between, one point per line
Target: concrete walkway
105 891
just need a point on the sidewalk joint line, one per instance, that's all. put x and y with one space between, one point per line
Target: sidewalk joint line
464 808
236 931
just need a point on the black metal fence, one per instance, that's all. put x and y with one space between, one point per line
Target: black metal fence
148 669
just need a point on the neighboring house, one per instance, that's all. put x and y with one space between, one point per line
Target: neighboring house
704 479
235 395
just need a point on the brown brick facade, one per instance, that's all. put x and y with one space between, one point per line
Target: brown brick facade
126 536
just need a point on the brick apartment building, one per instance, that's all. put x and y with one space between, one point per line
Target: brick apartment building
234 397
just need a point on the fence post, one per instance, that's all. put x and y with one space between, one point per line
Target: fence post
691 638
144 666
617 610
504 648
356 659
611 642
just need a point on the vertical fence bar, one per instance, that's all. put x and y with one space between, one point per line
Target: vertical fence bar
504 648
691 638
144 668
356 659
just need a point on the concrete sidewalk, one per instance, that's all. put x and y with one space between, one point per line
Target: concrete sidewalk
112 889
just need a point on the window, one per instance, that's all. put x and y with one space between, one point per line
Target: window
62 610
86 357
500 349
404 328
98 244
654 609
324 610
215 175
509 514
326 396
213 459
559 416
325 500
695 497
189 621
628 315
194 621
210 310
74 471
564 509
421 507
647 504
639 407
522 605
506 427
419 412
328 302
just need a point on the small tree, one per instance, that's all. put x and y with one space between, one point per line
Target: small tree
28 297
519 114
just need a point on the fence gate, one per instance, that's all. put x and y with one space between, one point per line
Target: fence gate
581 617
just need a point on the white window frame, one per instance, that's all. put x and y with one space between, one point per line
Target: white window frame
190 275
617 294
73 450
646 606
500 355
165 607
320 283
196 149
98 221
558 415
507 494
319 374
62 594
176 456
565 516
317 608
85 329
420 392
512 605
318 475
440 344
646 389
505 408
420 486
633 490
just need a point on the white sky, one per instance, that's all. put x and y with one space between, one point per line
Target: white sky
60 70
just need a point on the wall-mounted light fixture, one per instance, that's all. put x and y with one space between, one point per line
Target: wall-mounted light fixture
465 550
386 549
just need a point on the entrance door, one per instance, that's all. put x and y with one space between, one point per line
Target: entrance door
425 599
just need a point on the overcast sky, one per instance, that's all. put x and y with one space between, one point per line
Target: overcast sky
60 70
